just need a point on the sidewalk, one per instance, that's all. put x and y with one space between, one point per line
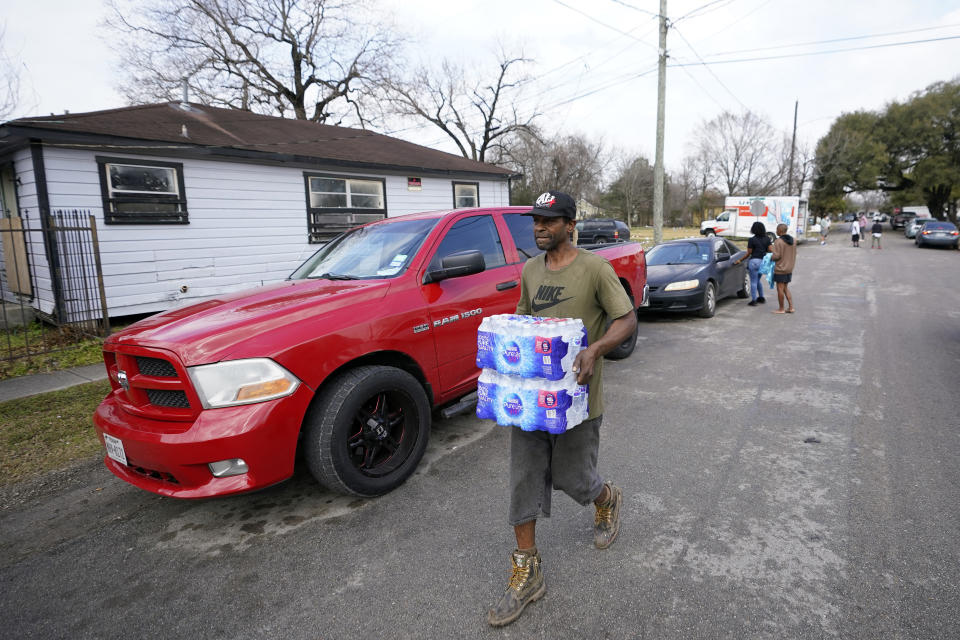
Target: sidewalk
24 386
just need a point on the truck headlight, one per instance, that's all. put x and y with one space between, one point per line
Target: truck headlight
682 285
226 384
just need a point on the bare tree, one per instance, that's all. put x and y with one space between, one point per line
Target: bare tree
631 192
743 153
311 59
477 114
572 164
9 81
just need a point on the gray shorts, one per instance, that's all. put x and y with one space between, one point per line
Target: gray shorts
541 462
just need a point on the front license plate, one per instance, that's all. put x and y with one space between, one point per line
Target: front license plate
115 449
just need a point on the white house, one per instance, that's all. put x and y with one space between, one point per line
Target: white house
193 201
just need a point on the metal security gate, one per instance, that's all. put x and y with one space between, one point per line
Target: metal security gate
51 284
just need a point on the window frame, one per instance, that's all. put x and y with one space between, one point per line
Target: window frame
112 216
315 229
435 257
460 183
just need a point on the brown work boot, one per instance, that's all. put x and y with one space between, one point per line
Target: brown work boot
606 524
526 585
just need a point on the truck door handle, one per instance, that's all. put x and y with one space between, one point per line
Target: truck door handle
503 286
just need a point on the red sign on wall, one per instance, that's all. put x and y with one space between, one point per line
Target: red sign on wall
414 184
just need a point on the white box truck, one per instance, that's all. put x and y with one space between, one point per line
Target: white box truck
740 212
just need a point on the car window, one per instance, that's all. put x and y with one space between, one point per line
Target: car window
475 232
521 230
732 248
720 248
942 226
679 253
380 250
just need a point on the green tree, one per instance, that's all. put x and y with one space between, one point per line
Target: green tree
911 150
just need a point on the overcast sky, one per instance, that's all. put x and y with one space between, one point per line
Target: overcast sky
594 60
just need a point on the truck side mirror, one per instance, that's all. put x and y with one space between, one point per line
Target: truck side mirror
455 265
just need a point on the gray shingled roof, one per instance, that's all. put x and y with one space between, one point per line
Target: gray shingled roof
214 128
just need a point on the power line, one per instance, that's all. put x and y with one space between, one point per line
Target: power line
603 24
715 76
739 20
812 42
630 6
691 14
817 53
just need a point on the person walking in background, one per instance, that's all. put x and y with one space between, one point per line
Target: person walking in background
855 233
757 247
784 254
877 231
824 228
862 221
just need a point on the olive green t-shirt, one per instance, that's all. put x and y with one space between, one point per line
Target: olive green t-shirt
588 289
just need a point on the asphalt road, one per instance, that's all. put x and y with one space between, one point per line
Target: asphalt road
786 476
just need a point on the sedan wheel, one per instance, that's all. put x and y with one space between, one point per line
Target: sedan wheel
745 291
709 301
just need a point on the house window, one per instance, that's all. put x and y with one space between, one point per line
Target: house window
466 194
142 192
335 204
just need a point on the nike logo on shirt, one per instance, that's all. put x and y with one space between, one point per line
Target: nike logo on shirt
548 296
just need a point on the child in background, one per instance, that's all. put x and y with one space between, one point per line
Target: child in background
877 231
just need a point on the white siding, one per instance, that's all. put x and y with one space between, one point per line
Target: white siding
27 200
248 226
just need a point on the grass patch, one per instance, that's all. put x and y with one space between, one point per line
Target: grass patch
63 348
48 431
645 235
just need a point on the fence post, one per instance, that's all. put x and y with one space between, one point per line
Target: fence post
103 292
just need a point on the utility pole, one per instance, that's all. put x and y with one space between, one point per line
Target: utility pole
661 100
793 145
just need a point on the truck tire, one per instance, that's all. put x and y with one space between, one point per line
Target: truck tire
367 430
600 240
709 301
624 349
711 233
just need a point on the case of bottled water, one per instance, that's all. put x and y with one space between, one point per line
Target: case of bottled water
527 380
528 346
531 404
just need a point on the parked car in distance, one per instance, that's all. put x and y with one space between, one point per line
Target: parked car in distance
601 231
849 217
692 274
937 233
899 221
912 226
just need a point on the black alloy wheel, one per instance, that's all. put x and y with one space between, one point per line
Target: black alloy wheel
367 430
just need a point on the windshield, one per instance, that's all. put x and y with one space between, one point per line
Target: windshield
377 251
678 253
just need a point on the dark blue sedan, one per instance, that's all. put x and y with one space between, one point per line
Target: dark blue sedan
692 274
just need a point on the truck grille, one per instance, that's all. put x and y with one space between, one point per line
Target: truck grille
154 385
162 398
155 367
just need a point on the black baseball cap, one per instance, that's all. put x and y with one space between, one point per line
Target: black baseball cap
553 204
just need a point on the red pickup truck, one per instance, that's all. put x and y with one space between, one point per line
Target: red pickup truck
346 359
